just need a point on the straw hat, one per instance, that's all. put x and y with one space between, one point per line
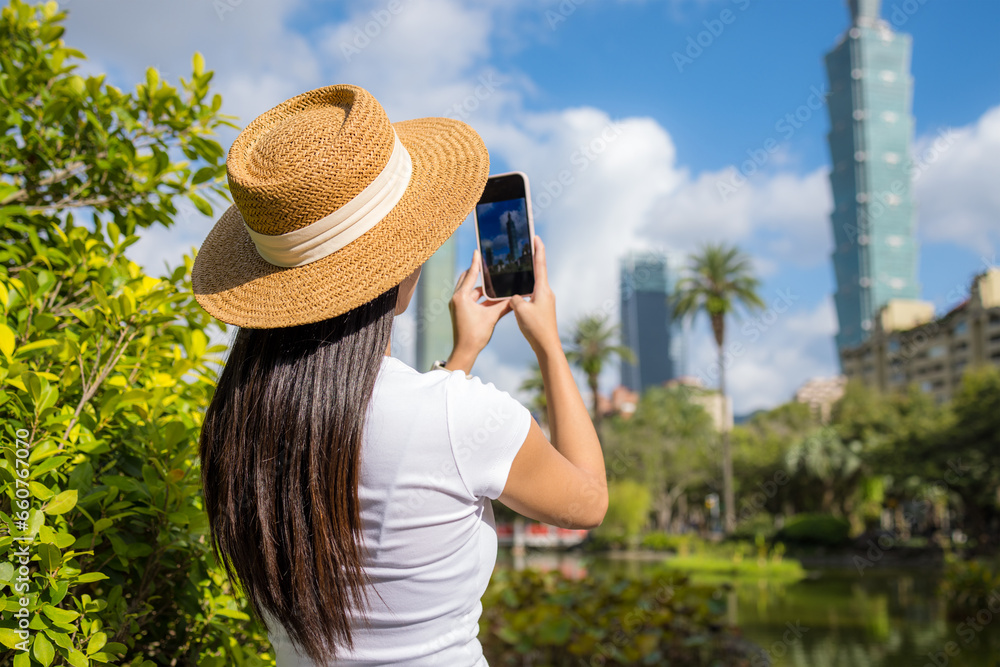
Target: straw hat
333 206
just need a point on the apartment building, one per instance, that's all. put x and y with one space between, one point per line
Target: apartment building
909 345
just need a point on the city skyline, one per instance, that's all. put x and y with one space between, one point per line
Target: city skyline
623 148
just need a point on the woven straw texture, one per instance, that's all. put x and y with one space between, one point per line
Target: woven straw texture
301 161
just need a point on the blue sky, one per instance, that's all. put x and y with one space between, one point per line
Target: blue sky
543 81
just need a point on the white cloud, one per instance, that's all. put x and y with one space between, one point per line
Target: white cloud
955 186
771 354
600 185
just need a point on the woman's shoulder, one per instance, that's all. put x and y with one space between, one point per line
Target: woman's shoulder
453 383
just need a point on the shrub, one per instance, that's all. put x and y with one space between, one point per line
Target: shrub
970 586
815 529
654 618
628 509
679 544
105 371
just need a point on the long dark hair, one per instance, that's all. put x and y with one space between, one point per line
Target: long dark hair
279 454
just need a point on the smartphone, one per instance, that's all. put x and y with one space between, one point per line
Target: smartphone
504 230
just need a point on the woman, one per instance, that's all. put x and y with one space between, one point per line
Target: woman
348 493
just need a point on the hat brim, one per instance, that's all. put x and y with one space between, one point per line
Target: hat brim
234 284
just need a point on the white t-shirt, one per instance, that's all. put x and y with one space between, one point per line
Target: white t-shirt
436 447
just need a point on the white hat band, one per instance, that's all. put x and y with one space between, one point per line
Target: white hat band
329 234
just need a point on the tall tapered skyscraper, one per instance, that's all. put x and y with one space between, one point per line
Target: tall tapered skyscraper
871 127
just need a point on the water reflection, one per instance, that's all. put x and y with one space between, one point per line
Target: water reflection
834 618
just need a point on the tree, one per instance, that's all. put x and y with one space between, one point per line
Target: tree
534 385
830 464
105 371
759 450
591 348
664 446
718 280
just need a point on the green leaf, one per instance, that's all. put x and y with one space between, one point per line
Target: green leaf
60 615
39 490
6 341
37 345
96 643
47 465
89 577
203 174
152 80
49 555
6 572
199 203
43 649
197 64
8 637
60 638
62 503
77 658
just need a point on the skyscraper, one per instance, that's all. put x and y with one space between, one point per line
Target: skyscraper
511 238
875 253
433 318
646 326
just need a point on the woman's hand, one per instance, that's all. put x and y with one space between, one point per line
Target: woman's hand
537 318
472 322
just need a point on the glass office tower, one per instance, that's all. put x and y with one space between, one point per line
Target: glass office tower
875 254
646 323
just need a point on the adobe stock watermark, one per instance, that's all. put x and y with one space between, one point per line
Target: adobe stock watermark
879 202
777 649
580 160
901 12
967 631
223 7
363 35
487 85
562 12
767 491
698 43
786 127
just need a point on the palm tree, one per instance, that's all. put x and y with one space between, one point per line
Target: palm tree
719 278
534 385
591 347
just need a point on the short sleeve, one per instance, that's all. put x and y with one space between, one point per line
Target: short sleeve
487 427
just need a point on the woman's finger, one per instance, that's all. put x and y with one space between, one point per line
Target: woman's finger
541 271
470 274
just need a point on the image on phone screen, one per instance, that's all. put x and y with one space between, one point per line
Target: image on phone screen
505 243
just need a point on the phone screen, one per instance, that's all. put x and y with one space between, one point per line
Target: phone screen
505 237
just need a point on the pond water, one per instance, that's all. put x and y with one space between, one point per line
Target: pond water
886 617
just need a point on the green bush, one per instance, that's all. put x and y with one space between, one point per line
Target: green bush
761 523
815 529
680 544
628 510
654 618
105 371
970 586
